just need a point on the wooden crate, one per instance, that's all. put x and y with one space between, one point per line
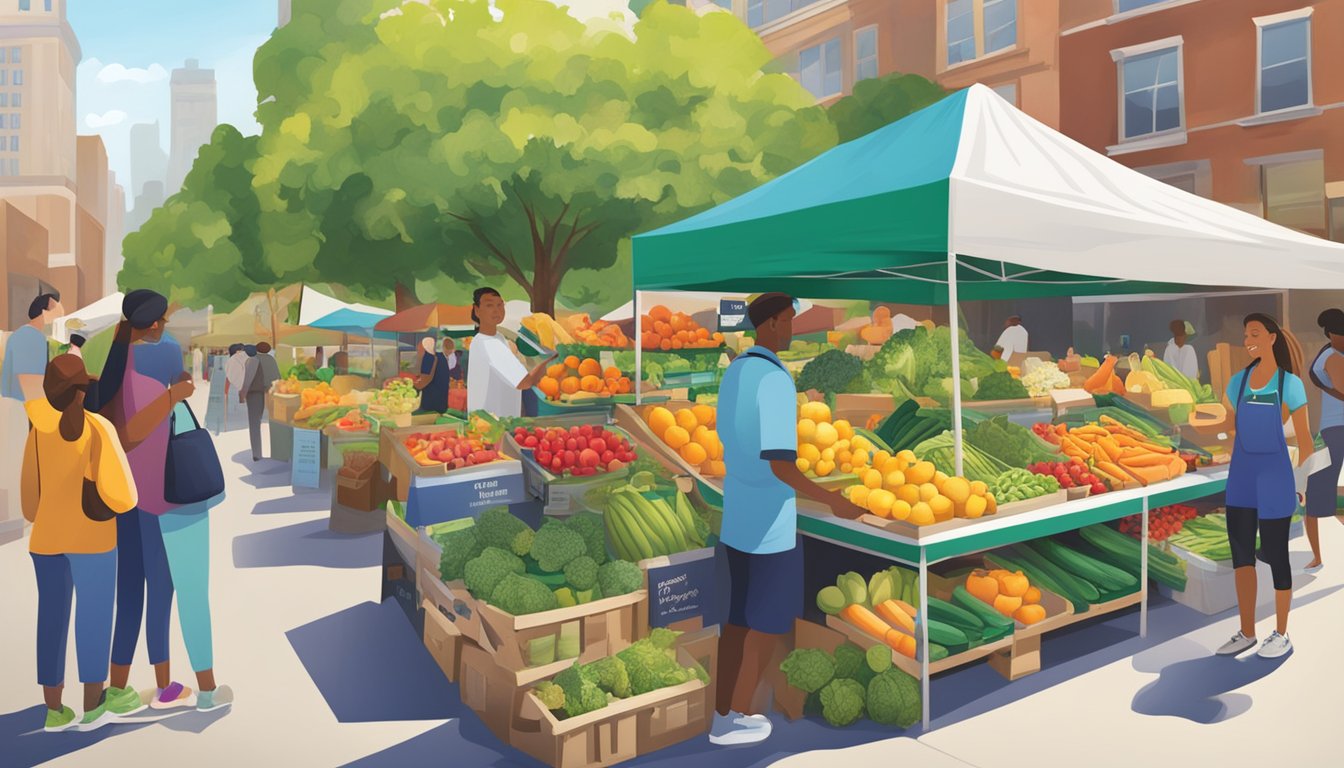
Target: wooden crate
911 531
494 693
912 666
443 641
631 420
627 728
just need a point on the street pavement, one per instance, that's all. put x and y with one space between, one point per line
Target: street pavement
324 675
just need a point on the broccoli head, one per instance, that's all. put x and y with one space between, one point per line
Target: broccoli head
650 667
842 702
611 676
581 573
582 695
521 595
664 638
459 546
498 527
808 669
485 571
593 529
894 699
849 658
619 577
521 544
551 695
555 545
830 373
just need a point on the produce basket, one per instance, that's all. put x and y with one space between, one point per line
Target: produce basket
561 495
603 627
629 419
911 531
625 728
393 454
495 693
912 666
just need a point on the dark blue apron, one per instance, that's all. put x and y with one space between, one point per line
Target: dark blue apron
1261 475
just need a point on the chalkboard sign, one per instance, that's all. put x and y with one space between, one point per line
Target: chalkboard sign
684 588
733 316
216 410
306 465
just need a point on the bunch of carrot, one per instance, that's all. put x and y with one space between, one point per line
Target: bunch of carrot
1120 454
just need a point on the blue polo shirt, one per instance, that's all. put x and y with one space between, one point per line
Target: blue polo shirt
25 354
757 424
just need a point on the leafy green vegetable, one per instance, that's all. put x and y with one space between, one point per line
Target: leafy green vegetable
521 595
831 373
619 577
842 702
591 527
1010 443
555 545
849 658
484 572
581 573
582 694
497 527
611 675
458 547
808 669
551 695
894 699
1000 386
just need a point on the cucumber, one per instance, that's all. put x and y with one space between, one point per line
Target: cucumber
1041 578
937 652
945 634
1074 587
943 611
991 618
1105 576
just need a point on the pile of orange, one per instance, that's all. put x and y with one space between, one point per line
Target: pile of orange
574 376
664 329
690 432
598 334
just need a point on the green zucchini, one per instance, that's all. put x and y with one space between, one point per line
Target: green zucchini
991 618
1074 588
945 634
1104 575
937 652
941 610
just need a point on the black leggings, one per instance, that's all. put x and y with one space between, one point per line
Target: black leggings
1241 526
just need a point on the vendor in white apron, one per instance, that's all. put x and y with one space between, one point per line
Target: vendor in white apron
1261 489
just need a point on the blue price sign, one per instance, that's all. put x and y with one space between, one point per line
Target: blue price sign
733 315
683 589
306 465
437 500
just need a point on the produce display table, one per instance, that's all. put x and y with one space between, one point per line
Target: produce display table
992 533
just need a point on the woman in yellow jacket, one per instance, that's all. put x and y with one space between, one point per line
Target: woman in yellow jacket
73 553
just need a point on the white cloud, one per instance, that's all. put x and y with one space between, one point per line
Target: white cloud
117 73
110 117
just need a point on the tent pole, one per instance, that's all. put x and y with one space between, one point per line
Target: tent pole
639 352
954 323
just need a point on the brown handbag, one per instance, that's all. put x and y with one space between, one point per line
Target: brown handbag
422 380
91 501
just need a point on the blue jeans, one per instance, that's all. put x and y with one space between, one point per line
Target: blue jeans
142 566
186 539
58 577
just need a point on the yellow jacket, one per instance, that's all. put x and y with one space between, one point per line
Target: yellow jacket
60 526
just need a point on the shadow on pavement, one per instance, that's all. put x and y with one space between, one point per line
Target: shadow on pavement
467 740
196 722
307 502
308 543
26 744
1199 687
370 666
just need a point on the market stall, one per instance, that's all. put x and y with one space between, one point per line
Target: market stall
971 200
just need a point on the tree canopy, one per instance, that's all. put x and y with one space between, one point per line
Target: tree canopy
882 100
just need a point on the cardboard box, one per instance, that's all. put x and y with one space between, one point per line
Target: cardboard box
352 518
604 626
392 454
357 493
282 407
398 582
496 694
626 728
443 641
454 603
560 495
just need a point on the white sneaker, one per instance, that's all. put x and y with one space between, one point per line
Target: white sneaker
735 728
1275 645
1238 644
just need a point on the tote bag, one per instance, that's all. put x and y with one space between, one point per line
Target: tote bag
192 473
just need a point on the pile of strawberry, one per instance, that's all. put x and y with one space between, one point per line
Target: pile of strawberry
1163 522
1070 474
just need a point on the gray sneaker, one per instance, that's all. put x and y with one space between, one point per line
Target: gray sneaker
736 729
1275 645
1238 644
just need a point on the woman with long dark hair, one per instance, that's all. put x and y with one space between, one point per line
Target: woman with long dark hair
1261 490
74 546
1327 373
495 377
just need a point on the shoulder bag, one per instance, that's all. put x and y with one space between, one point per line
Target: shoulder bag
192 472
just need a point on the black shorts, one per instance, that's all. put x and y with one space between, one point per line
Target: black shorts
767 590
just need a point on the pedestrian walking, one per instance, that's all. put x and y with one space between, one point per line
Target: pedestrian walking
1261 490
1327 373
262 371
75 478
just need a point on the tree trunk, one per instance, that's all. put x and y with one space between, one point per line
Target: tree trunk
270 302
405 296
544 282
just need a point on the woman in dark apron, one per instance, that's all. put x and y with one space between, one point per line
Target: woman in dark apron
1327 373
1261 491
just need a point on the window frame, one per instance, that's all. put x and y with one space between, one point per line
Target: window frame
1120 56
1267 165
979 34
876 57
983 46
1115 4
1263 23
1016 101
820 45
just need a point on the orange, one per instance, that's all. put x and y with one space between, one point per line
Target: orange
660 312
686 420
591 384
612 372
613 386
676 437
557 371
572 363
715 468
665 345
704 414
550 387
590 367
701 435
694 454
659 419
701 333
569 385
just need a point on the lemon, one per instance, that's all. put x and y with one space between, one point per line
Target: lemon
975 507
880 458
872 478
803 465
828 454
941 507
921 472
939 478
978 488
900 510
907 456
826 435
908 493
846 468
858 495
880 502
860 457
927 491
807 429
844 428
958 489
921 514
894 480
824 467
861 443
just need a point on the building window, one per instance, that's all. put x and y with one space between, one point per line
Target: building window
979 27
4 99
4 76
1008 91
1337 219
25 5
1285 65
1294 194
2 54
46 5
820 69
17 99
14 167
14 120
865 53
1121 6
4 122
761 12
14 147
18 77
1152 93
4 141
16 55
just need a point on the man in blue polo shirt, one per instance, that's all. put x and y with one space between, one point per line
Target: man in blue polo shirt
756 421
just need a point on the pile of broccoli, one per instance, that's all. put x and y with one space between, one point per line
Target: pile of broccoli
844 686
646 666
918 362
522 571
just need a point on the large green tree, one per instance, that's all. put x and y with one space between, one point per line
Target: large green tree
421 139
882 100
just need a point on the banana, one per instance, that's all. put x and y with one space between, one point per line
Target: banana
633 531
615 535
672 524
541 326
653 524
682 507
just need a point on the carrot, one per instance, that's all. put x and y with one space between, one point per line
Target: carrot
1154 448
896 616
1113 470
866 621
1145 460
1110 446
1148 475
1091 429
1123 440
908 608
1098 454
905 645
1101 380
